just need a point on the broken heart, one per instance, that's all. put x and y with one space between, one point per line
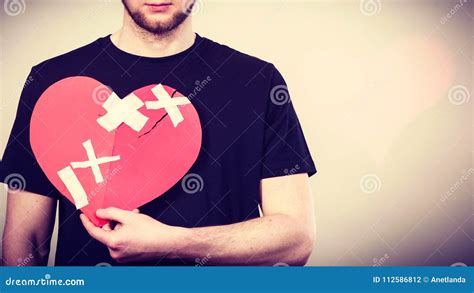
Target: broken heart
122 153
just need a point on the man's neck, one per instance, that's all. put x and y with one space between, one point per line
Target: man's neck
135 40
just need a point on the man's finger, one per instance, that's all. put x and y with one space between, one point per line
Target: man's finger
107 227
95 232
136 211
113 214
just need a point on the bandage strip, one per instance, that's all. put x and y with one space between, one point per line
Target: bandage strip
93 161
122 111
69 178
74 187
164 100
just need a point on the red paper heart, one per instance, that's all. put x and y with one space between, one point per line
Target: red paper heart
151 161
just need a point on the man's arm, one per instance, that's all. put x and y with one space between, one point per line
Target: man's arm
28 228
285 233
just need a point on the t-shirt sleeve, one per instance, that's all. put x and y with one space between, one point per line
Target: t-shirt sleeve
19 168
285 148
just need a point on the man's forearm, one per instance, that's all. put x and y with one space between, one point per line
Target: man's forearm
28 228
23 253
262 241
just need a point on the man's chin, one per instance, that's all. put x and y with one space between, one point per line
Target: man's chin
158 23
158 27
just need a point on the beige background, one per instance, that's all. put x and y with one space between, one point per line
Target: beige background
383 90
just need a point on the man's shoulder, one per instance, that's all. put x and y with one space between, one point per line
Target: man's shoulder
70 61
224 56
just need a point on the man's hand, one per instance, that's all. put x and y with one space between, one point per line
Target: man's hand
135 237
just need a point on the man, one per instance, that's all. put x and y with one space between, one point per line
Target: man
253 155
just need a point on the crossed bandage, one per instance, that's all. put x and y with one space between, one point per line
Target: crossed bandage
119 111
126 110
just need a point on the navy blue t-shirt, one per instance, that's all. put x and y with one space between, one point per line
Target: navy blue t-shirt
249 132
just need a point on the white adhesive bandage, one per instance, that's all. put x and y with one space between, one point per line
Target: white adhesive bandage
169 104
122 111
74 186
93 161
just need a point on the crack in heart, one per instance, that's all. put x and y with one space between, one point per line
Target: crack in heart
159 120
156 123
